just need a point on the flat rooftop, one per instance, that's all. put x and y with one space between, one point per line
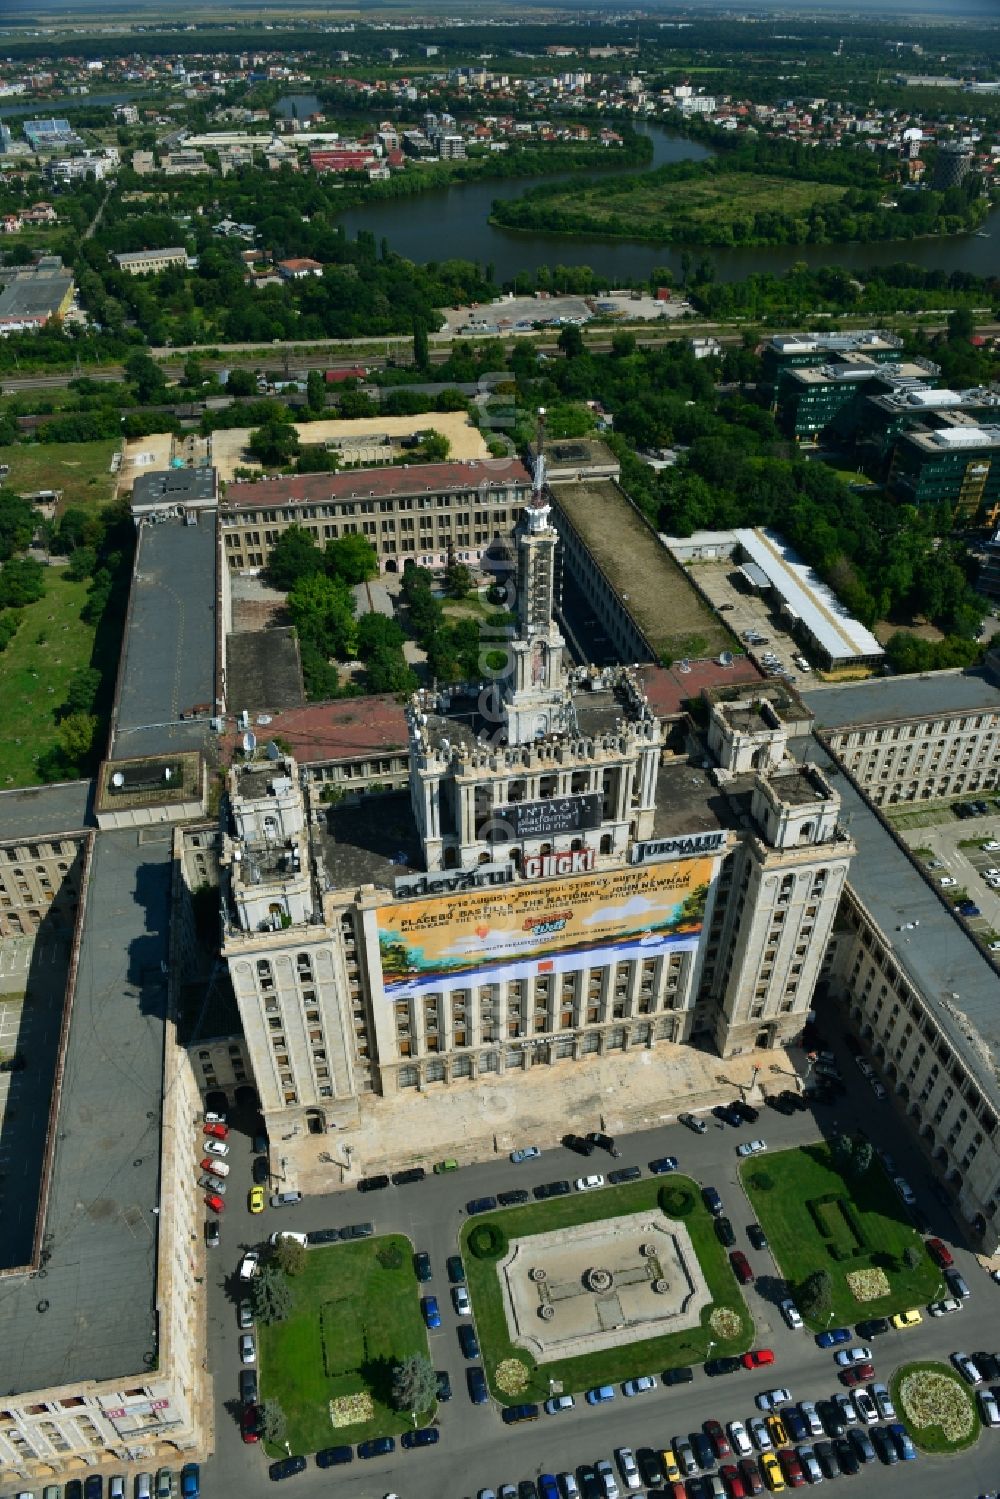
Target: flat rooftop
370 843
888 699
35 294
37 811
93 1316
644 575
347 729
958 984
263 670
688 801
831 625
377 483
175 486
168 662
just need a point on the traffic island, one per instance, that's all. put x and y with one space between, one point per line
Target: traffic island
329 1364
601 1286
938 1408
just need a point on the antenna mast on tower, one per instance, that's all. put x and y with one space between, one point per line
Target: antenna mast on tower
538 478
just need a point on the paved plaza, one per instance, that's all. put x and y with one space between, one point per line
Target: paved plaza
601 1285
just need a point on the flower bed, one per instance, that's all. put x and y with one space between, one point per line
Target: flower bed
868 1285
937 1408
350 1410
724 1323
511 1376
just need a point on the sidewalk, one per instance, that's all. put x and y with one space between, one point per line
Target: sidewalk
619 1093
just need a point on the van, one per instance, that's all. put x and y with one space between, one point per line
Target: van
957 1285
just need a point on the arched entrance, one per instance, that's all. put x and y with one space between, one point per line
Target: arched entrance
247 1098
216 1102
315 1121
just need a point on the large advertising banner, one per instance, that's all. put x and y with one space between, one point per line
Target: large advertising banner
519 931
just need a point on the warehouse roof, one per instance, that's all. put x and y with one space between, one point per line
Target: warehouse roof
888 699
834 630
377 483
35 294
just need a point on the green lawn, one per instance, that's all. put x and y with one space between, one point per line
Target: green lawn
800 1178
351 1322
80 469
35 669
947 1397
642 1357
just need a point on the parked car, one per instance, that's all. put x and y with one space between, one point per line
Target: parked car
357 1231
939 1252
214 1202
248 1348
601 1141
408 1176
967 1368
286 1233
319 1236
467 1340
751 1147
741 1267
600 1395
286 1467
791 1314
758 1358
579 1144
373 1183
216 1147
512 1415
556 1404
724 1233
880 1395
663 1164
285 1199
216 1130
946 1307
249 1264
712 1201
443 1385
641 1385
693 1123
757 1236
424 1436
767 1400
334 1457
480 1205
552 1189
255 1200
526 1153
431 1314
622 1174
903 1320
377 1447
455 1268
514 1197
588 1183
903 1441
248 1386
857 1375
857 1355
212 1236
832 1336
460 1299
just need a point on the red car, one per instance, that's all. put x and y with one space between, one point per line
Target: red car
250 1423
757 1358
214 1202
858 1374
939 1252
220 1131
720 1442
733 1479
741 1266
791 1468
750 1474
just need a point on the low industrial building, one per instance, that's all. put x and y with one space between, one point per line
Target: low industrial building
33 297
149 262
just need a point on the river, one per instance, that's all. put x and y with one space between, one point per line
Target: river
452 222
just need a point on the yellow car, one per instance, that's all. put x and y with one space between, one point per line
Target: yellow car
773 1476
256 1199
912 1318
777 1432
670 1467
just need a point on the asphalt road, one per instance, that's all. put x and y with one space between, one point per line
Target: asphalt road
476 1450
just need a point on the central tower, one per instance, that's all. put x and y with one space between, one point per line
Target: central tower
536 696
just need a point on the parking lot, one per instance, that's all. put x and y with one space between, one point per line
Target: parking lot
757 623
951 848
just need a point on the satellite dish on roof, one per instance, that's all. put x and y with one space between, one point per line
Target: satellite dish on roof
272 751
726 658
249 742
684 665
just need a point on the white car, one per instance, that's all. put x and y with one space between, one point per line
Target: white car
588 1183
249 1263
858 1355
640 1385
559 1403
215 1118
767 1400
217 1168
905 1191
216 1147
286 1233
751 1147
628 1467
811 1418
991 846
880 1395
757 1428
741 1442
946 1307
460 1297
845 1406
248 1349
866 1407
988 1408
791 1314
967 1368
946 881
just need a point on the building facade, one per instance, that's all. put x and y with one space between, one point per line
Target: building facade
923 758
423 514
486 920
